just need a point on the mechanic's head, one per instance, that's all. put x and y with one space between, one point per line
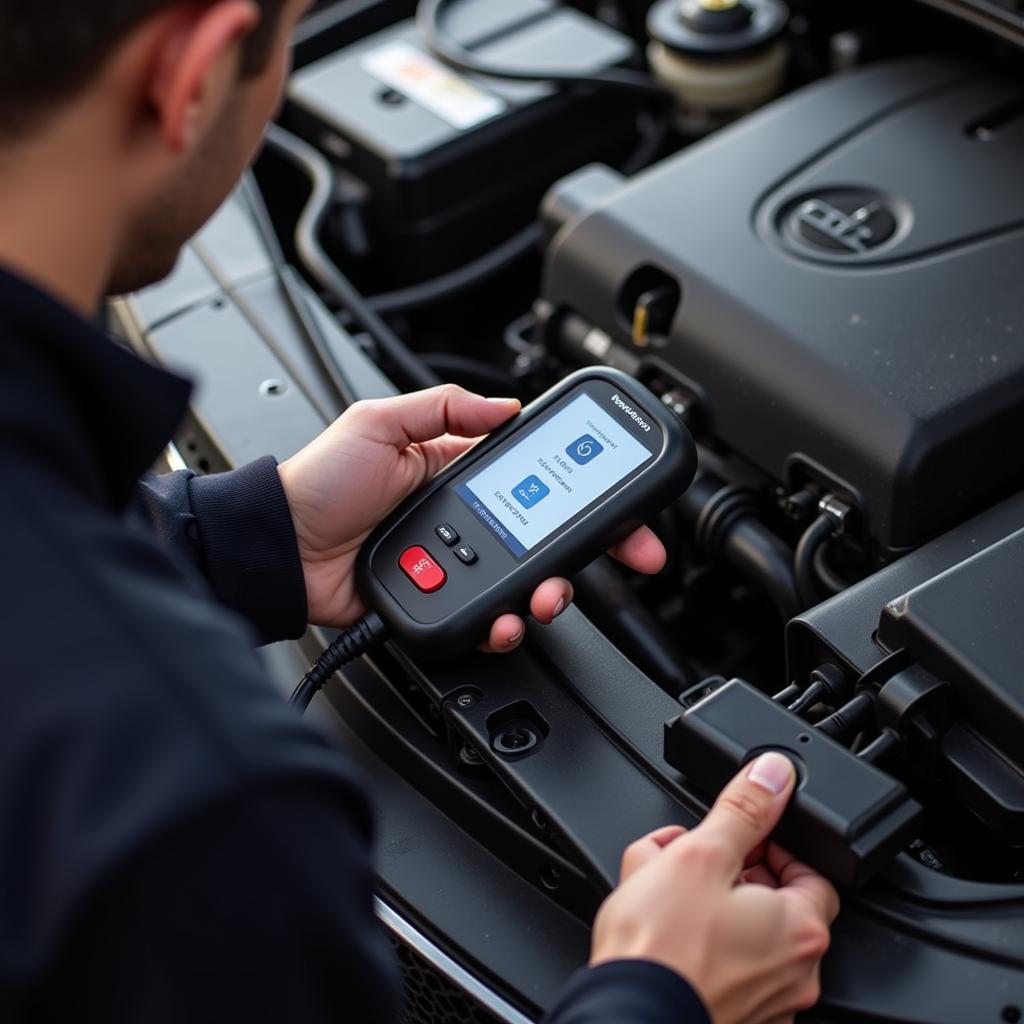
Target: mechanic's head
177 92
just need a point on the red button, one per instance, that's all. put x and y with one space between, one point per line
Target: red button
422 570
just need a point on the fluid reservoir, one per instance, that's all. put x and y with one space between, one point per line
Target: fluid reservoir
721 58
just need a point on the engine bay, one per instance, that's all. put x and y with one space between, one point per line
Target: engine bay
802 226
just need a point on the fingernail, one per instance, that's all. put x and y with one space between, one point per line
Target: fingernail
504 401
771 771
559 608
515 638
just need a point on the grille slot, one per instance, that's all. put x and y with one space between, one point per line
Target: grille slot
429 997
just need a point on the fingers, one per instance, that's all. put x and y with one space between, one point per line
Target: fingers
506 634
646 848
641 551
425 415
760 874
749 807
756 855
796 877
550 599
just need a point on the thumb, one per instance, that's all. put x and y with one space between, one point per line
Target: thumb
750 806
424 415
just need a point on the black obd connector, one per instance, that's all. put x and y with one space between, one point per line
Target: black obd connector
847 818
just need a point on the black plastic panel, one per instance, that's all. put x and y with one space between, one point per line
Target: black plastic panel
843 629
964 626
887 364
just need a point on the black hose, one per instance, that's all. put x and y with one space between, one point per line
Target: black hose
803 561
611 604
787 695
462 278
766 560
851 718
832 581
811 696
450 365
320 265
726 525
428 20
885 746
652 138
827 684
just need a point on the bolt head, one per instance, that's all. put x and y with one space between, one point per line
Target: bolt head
273 388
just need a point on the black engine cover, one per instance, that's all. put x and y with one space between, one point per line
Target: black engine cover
851 263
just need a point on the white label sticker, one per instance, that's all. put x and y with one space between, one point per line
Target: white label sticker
432 85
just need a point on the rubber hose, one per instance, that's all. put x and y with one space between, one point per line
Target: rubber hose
320 265
739 537
803 561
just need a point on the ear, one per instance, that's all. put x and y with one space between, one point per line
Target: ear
197 58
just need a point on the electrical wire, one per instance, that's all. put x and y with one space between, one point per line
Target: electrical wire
788 694
366 632
803 560
428 19
653 134
462 278
882 748
827 685
812 695
451 365
851 718
320 265
832 581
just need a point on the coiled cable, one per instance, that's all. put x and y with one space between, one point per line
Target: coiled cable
364 633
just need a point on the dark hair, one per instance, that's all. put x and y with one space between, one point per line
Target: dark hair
51 48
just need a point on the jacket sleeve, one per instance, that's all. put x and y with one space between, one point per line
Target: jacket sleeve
236 528
628 992
260 910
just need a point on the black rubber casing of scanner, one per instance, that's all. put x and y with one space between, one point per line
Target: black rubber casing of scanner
467 612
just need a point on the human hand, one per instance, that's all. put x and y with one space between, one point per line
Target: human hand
740 919
358 470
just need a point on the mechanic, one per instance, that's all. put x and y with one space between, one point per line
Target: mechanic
177 844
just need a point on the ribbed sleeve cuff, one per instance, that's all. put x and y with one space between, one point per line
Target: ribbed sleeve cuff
250 554
628 992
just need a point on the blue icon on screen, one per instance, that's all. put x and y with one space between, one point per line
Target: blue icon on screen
583 449
530 491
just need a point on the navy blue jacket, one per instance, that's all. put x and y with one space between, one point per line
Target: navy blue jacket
175 843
